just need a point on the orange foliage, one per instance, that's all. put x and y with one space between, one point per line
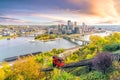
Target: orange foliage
27 69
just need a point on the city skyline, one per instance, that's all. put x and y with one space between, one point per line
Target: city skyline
46 12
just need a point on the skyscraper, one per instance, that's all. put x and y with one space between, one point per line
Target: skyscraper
74 25
68 24
69 27
83 27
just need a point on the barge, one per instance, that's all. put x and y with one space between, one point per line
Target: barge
10 59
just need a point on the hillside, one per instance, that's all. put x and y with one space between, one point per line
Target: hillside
100 49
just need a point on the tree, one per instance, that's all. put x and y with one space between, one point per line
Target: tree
62 75
102 61
115 75
116 65
114 38
25 69
94 75
112 47
2 74
97 42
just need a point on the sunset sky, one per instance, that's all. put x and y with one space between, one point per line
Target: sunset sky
47 12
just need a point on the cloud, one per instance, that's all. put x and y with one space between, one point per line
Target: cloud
117 6
59 21
7 18
104 8
10 20
50 16
82 6
88 11
96 7
108 22
54 22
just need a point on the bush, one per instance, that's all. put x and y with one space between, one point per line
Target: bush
115 75
112 47
94 75
116 65
62 75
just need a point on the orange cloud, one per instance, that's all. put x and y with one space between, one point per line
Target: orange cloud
117 6
48 16
103 7
97 7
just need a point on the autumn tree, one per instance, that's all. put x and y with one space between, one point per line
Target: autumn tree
98 42
115 75
25 69
113 38
2 74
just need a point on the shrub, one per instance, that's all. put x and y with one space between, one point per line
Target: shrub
94 75
112 47
62 75
116 65
115 75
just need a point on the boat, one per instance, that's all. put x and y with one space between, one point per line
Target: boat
8 38
52 39
10 59
36 53
32 41
25 55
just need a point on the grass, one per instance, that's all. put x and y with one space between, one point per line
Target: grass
116 52
5 37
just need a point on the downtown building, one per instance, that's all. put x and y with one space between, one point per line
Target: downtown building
72 28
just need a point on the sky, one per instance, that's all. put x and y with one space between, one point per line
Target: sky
48 12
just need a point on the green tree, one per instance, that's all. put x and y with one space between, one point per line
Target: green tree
62 75
94 75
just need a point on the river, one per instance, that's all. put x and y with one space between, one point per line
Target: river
22 45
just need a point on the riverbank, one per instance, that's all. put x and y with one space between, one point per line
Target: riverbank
83 40
103 34
77 70
7 37
49 40
64 54
22 46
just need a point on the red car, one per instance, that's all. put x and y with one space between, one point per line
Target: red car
57 61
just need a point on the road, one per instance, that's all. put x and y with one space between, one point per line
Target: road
68 52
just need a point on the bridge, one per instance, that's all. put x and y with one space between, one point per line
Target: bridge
74 39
